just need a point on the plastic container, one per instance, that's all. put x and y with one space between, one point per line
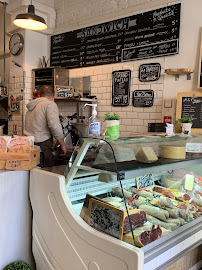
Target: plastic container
94 122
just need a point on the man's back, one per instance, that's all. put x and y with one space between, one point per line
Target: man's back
42 120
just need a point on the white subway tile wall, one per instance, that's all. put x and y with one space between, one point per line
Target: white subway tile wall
15 89
133 119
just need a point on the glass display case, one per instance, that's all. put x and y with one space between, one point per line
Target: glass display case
156 194
141 194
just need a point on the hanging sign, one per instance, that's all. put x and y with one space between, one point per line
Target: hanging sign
121 83
143 98
149 72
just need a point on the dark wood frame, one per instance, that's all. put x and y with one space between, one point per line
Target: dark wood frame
111 207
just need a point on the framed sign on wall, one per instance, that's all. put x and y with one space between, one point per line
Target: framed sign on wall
62 92
15 107
121 83
143 98
145 35
189 105
149 72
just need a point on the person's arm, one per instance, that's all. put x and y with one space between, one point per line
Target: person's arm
63 146
54 125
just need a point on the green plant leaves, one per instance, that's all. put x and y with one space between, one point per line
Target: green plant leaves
18 266
185 120
114 116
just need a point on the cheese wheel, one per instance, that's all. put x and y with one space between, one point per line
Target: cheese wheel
172 152
146 155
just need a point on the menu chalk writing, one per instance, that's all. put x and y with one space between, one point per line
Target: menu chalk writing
149 72
121 82
145 35
63 91
15 107
143 98
192 108
144 181
106 218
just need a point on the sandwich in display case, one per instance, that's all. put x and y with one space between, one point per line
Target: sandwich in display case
133 203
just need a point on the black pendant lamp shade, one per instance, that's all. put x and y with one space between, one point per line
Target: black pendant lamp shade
30 20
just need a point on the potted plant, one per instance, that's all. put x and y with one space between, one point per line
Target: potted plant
18 266
112 125
186 124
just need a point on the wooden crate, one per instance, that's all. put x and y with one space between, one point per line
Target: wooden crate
19 161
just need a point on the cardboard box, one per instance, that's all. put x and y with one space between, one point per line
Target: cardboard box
19 161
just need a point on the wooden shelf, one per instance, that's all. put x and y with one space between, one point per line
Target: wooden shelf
72 99
179 71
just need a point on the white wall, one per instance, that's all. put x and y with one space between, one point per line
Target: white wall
7 67
72 15
188 57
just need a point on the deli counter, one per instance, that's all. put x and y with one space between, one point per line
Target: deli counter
134 203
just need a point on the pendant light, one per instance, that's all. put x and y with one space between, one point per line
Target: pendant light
30 20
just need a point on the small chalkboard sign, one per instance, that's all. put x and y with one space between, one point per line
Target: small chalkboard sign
143 98
145 181
149 72
15 107
121 82
106 218
189 105
63 91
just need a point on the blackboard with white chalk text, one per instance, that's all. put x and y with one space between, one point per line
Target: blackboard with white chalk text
149 72
192 108
145 35
121 83
143 98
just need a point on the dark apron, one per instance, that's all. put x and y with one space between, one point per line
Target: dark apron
46 158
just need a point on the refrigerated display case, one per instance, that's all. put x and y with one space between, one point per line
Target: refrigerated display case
157 201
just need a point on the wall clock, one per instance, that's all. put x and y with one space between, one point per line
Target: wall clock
16 44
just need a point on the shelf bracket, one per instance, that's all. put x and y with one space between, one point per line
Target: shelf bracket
177 76
188 76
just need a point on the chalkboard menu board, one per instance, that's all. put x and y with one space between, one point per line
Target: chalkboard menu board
121 81
144 181
192 108
143 98
145 35
149 72
63 91
106 218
